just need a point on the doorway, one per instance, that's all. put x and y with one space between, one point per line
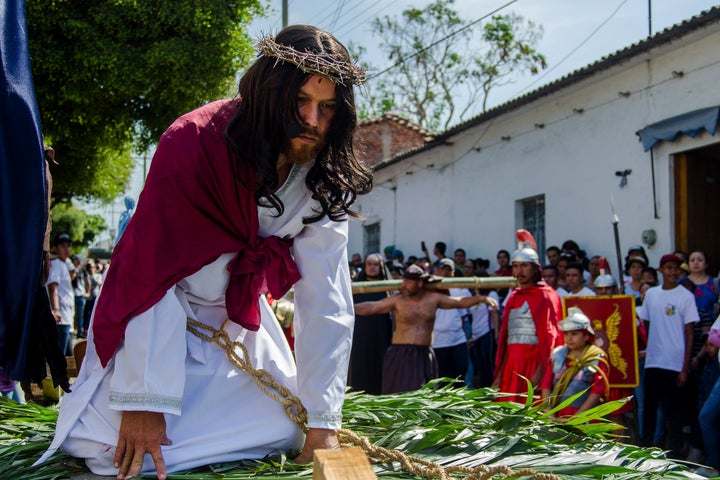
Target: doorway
697 199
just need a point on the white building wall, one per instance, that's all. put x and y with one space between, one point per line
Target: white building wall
467 197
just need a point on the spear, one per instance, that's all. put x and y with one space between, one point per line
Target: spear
618 250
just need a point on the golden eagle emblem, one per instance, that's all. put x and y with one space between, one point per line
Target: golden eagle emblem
607 337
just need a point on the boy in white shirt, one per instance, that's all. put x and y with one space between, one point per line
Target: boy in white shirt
669 312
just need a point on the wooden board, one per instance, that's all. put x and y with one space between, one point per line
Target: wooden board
342 464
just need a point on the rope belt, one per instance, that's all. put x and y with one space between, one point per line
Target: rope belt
292 405
237 353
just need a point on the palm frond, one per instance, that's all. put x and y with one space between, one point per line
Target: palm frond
439 423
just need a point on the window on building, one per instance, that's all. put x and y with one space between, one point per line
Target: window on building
530 215
372 238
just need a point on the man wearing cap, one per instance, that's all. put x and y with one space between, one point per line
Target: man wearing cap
450 342
60 290
576 366
528 332
398 260
388 251
669 312
410 361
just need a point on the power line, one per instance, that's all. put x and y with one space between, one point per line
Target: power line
338 10
354 18
574 49
359 23
328 15
451 34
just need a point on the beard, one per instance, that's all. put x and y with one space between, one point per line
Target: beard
300 153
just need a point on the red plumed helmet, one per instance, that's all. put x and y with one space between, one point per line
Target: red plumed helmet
604 279
527 248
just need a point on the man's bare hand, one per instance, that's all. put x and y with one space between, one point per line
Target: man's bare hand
317 438
491 302
140 433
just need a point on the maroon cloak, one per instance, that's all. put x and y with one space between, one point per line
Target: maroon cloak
194 208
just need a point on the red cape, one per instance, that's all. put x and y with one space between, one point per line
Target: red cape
193 209
546 310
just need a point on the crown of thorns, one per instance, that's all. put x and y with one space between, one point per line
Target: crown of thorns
333 66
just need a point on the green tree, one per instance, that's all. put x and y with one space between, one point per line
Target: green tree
82 227
429 70
110 74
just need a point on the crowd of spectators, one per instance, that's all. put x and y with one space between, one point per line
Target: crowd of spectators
676 303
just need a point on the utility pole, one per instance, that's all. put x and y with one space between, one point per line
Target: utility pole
285 13
650 31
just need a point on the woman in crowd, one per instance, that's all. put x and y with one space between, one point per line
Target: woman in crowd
372 334
504 268
704 288
634 268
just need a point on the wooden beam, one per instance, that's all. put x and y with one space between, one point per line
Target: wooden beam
342 464
446 283
489 283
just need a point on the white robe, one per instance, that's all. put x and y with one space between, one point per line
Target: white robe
215 412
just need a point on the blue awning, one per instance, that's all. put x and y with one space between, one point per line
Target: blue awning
690 124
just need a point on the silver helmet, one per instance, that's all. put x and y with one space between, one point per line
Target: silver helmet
576 320
527 249
525 254
606 280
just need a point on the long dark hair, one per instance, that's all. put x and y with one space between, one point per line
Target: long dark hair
268 102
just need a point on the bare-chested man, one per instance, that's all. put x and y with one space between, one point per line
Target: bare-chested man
410 361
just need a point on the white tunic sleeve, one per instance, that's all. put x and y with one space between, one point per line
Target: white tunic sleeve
149 372
323 320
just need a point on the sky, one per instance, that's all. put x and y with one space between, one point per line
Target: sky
576 33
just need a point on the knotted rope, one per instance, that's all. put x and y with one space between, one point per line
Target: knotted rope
292 405
237 354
